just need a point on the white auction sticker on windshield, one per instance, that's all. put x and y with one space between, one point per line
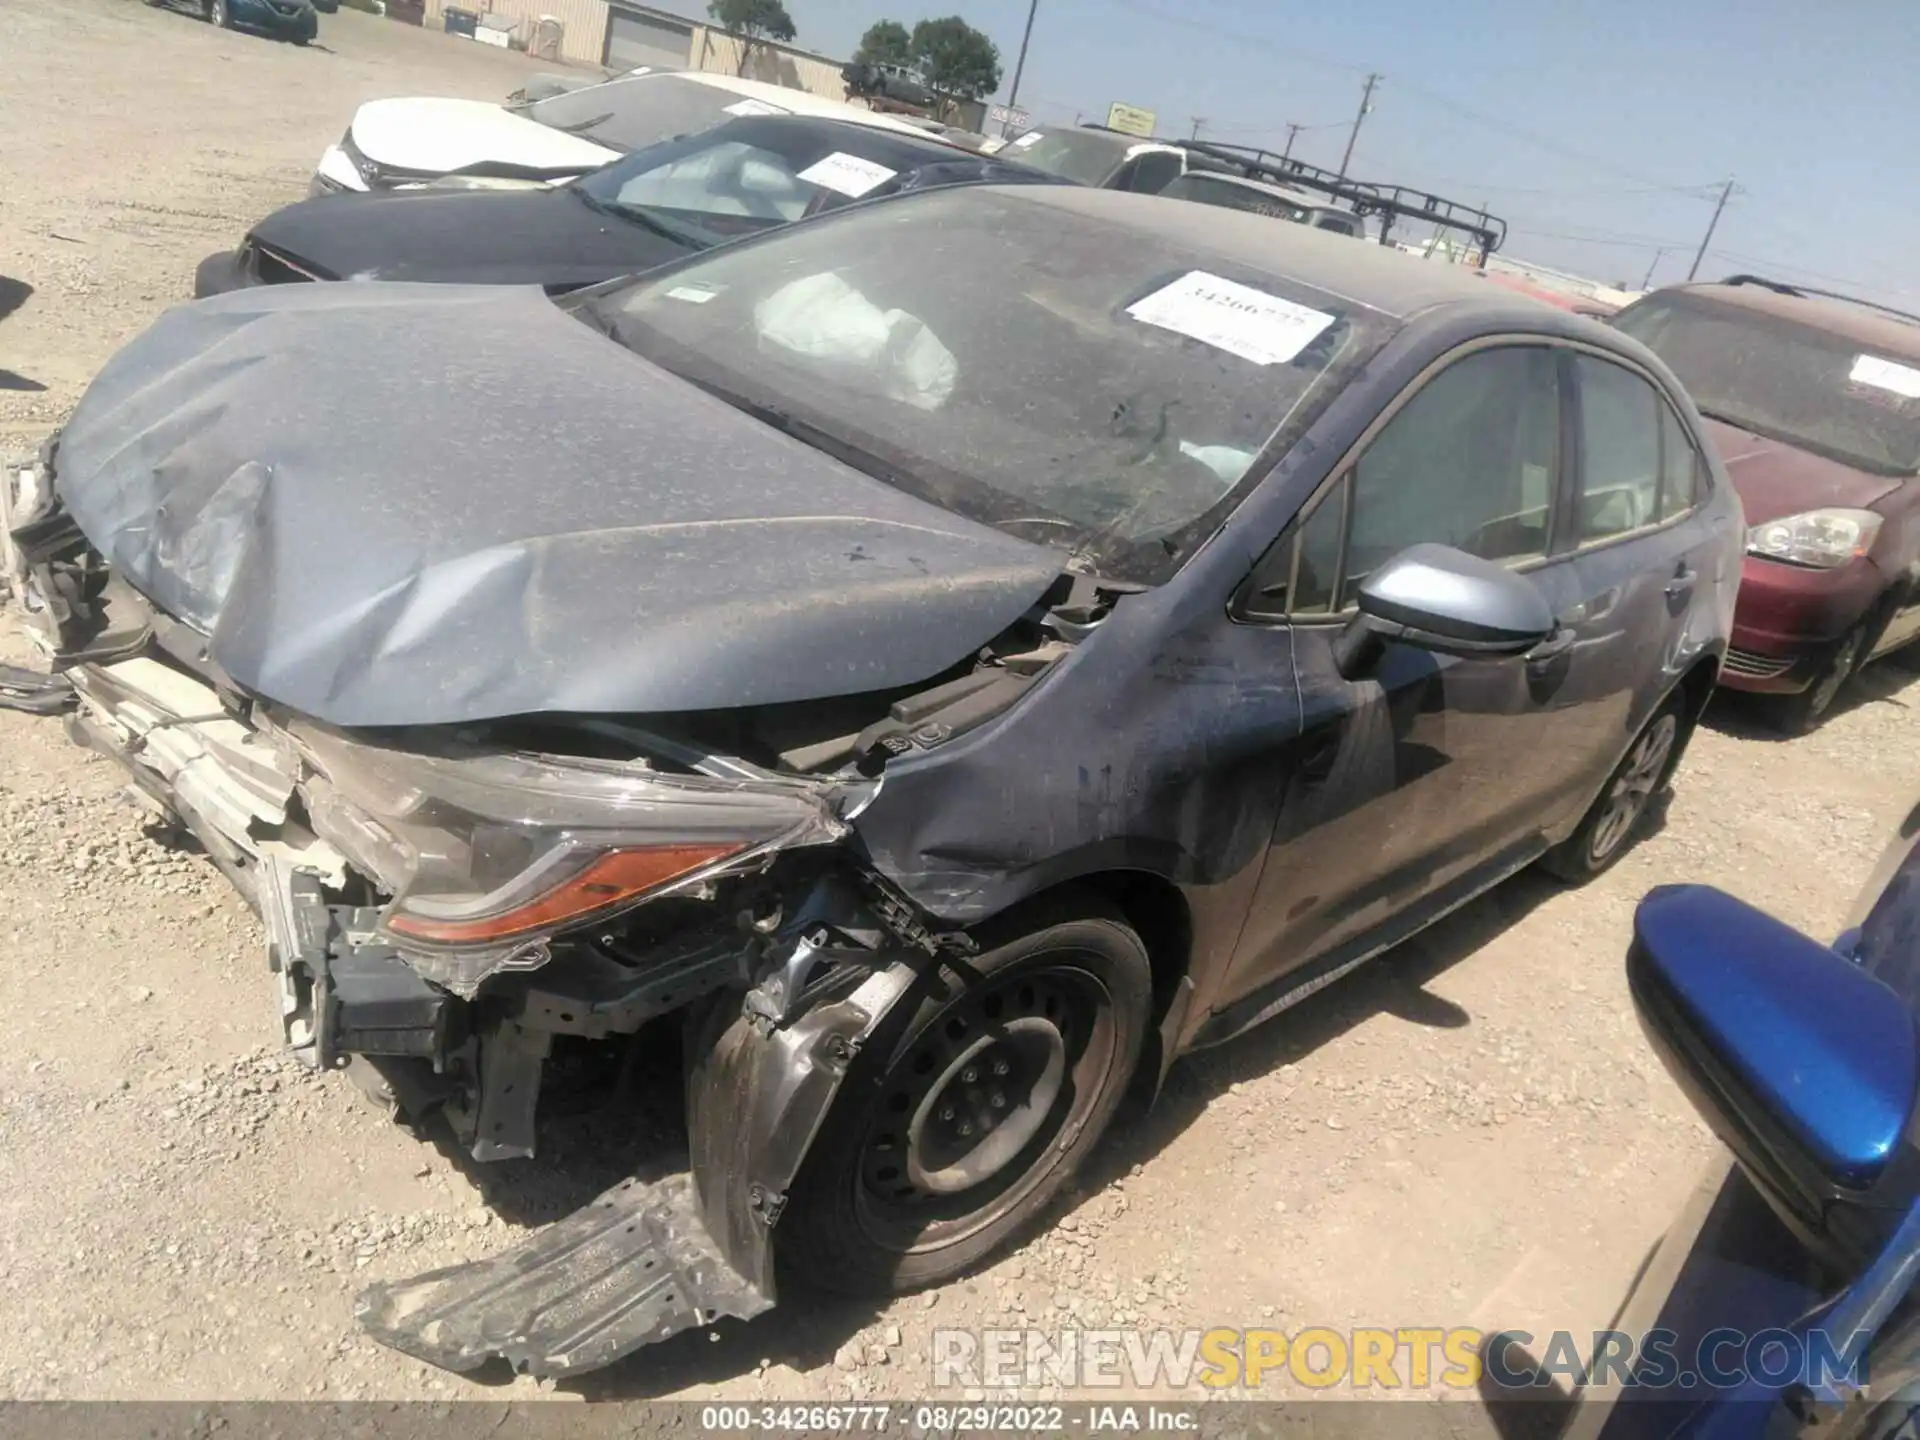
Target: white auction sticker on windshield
1025 140
1236 318
753 107
1886 375
847 174
692 294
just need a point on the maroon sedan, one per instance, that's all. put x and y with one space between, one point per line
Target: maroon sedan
1814 403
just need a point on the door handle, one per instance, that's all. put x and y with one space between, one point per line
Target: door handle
1553 647
1681 585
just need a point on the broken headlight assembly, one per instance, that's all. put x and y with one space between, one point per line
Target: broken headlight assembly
490 855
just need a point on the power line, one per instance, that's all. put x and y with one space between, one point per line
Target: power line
1288 51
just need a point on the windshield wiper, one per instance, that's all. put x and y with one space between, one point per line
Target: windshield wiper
579 126
641 216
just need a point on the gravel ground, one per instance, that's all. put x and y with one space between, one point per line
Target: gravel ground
1469 1132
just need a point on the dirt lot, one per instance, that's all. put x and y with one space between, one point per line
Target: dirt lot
1469 1132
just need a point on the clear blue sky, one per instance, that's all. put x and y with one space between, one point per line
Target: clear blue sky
1594 129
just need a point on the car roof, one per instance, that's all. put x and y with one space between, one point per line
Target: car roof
1858 323
1376 276
797 102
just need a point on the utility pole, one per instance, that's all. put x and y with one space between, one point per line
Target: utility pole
1198 121
1013 93
1726 193
1658 256
1292 130
1366 105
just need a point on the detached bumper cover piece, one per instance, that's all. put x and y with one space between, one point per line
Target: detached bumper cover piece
648 1260
34 693
633 1267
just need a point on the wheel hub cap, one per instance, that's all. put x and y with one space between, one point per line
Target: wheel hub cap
986 1105
1633 785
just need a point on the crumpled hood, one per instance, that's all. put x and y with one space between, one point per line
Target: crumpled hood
1774 479
480 237
432 136
419 504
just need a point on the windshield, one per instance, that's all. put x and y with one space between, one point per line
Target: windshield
1211 190
1064 379
1086 157
1787 381
640 110
745 176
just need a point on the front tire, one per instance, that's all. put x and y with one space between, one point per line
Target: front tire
1802 712
941 1148
1607 829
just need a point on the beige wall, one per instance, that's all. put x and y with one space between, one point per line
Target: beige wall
585 21
585 39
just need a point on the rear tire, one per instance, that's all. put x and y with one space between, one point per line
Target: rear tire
1606 831
218 15
942 1147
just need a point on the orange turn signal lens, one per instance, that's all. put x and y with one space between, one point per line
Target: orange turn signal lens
616 876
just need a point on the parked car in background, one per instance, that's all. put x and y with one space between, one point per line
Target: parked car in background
1104 159
294 20
1803 1240
953 726
653 206
1263 197
408 142
1814 405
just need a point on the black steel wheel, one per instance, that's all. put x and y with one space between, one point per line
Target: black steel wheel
999 1085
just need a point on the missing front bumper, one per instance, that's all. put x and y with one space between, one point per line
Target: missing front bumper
648 1260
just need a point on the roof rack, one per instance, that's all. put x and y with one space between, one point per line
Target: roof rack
1781 287
1388 202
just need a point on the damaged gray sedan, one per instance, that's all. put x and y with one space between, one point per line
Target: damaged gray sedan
957 654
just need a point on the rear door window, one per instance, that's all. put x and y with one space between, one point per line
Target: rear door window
1682 471
1619 443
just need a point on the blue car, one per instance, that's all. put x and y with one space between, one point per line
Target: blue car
1783 1301
295 20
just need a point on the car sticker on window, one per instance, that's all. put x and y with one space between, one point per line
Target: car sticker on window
1902 380
692 294
1025 140
1236 318
846 174
753 107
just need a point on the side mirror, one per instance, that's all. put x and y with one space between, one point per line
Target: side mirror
1446 601
1805 1065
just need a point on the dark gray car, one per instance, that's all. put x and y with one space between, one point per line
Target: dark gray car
961 651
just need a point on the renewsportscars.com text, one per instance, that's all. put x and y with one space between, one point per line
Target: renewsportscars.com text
1403 1358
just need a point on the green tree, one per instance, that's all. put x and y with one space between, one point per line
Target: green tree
750 22
955 59
885 43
